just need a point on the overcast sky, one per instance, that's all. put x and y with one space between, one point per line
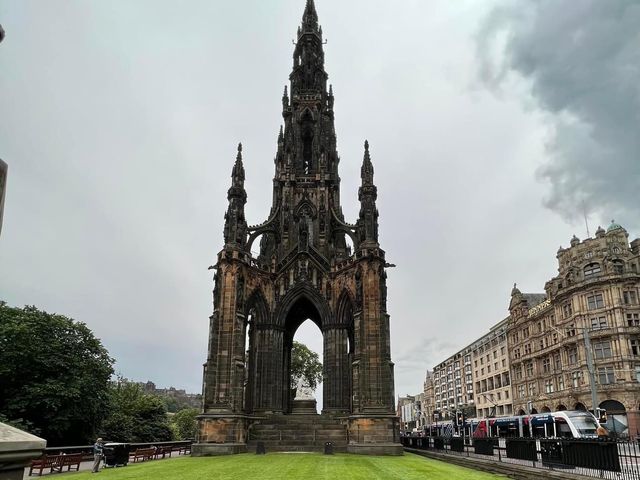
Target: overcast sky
493 126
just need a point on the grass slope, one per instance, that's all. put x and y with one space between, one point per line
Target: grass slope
290 466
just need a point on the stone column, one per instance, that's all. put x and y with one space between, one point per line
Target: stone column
336 383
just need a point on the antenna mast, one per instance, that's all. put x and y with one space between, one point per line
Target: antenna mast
586 221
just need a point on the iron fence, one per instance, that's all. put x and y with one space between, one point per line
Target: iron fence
597 458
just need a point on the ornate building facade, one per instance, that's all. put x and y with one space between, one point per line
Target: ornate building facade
491 374
306 269
593 301
536 359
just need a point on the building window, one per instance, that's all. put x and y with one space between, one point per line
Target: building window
488 368
504 363
567 310
572 355
633 319
548 386
527 349
638 374
546 365
525 332
521 391
595 301
516 353
630 297
591 269
598 323
532 389
506 394
541 344
602 349
518 370
575 379
606 375
571 330
501 350
635 346
557 362
560 383
618 267
529 369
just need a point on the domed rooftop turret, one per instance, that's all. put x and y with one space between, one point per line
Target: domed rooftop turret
575 241
614 226
600 232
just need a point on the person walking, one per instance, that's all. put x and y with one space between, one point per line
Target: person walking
97 455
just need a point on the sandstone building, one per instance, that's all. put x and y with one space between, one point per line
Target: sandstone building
595 292
313 264
536 359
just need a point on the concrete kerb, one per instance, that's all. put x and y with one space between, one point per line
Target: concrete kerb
517 472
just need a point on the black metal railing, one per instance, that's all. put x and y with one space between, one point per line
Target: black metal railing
597 458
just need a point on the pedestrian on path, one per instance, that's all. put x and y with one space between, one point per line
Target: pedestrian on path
97 455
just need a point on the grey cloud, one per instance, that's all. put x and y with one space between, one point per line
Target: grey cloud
581 62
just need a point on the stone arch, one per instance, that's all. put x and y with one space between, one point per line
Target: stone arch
580 407
613 406
560 408
298 293
545 409
521 412
534 411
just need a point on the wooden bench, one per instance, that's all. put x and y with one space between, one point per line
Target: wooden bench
163 452
71 461
143 454
52 462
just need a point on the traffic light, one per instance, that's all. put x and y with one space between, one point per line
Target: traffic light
460 418
601 414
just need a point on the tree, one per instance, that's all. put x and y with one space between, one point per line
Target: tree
54 375
135 416
305 365
184 424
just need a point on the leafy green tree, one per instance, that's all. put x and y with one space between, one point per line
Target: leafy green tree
184 424
54 375
305 365
135 416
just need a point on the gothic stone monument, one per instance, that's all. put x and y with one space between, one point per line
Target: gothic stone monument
305 270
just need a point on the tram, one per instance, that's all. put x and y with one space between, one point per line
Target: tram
563 424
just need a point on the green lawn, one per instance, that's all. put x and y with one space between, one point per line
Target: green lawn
290 466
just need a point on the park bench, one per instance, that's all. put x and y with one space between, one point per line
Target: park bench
71 461
143 454
52 462
163 452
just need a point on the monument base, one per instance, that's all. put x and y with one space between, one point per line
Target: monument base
375 434
220 434
304 407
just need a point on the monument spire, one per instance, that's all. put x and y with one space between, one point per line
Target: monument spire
367 194
310 17
235 224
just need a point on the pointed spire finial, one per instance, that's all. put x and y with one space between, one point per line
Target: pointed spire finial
331 89
239 156
310 16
